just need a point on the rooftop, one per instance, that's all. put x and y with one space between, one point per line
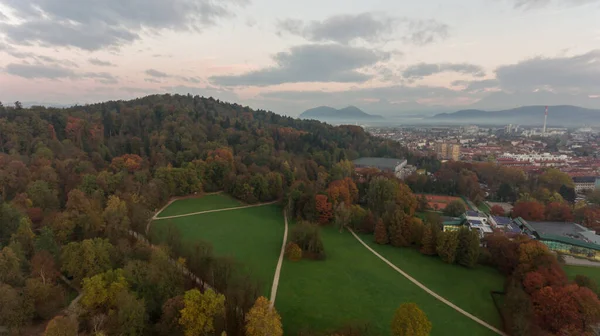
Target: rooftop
569 233
376 162
502 220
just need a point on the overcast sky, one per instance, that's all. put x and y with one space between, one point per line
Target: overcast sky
385 56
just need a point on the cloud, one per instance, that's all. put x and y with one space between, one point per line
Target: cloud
368 27
33 71
95 61
476 85
422 32
39 59
310 63
190 79
92 25
578 73
152 80
418 71
156 73
530 4
55 72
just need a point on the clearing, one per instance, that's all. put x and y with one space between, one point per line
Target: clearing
196 204
251 235
352 284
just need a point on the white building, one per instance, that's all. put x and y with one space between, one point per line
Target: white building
535 157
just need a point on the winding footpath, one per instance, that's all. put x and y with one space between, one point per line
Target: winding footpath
429 291
279 262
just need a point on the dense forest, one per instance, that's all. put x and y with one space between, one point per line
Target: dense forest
79 186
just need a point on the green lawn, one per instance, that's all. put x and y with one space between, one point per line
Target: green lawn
591 272
204 203
467 288
252 236
484 207
352 284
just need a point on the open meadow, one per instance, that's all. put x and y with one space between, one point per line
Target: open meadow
353 285
250 235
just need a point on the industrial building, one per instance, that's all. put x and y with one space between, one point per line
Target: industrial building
567 238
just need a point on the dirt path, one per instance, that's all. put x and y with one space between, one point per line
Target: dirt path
209 211
429 291
279 262
169 203
580 262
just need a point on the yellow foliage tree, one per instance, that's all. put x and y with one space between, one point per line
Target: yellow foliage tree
263 320
102 289
409 320
200 310
61 326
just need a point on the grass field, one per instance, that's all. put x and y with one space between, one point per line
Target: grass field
467 288
484 207
205 203
591 272
252 236
352 284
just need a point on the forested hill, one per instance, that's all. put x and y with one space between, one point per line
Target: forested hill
74 182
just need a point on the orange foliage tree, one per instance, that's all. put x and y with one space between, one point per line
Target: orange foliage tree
343 191
324 209
130 162
530 210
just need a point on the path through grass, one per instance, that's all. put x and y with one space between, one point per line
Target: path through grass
204 203
352 284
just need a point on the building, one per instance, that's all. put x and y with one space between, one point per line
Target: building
383 164
505 224
567 238
474 220
583 183
447 151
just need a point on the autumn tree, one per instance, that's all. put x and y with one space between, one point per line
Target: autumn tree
43 267
585 281
342 216
381 191
10 267
15 311
553 179
530 210
62 326
497 210
428 242
343 191
559 212
324 209
169 318
103 290
381 233
447 243
47 297
115 217
467 252
263 320
455 208
200 311
87 258
409 320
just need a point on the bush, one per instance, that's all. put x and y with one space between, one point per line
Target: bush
293 252
308 237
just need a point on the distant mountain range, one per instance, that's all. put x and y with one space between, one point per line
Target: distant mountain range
350 113
562 115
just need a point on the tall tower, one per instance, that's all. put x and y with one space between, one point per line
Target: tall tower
545 120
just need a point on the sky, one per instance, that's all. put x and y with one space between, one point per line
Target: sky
387 57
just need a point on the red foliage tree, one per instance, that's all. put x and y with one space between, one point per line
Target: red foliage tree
533 282
504 252
497 210
530 210
559 212
591 218
324 209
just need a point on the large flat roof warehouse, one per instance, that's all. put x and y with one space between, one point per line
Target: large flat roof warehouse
379 163
570 233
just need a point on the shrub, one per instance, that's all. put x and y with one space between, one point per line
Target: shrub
293 252
308 237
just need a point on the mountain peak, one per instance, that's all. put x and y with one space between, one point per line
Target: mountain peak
328 113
